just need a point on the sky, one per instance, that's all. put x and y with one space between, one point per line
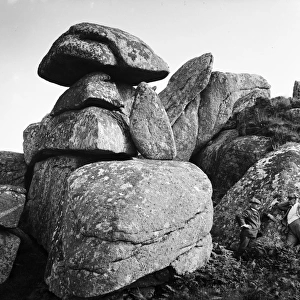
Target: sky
244 36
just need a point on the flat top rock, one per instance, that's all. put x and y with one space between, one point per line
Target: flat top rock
88 47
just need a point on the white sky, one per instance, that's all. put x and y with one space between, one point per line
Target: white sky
252 36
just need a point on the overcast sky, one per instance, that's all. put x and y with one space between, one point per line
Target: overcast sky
252 36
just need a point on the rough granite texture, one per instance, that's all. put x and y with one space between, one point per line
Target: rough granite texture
12 168
12 200
9 245
226 164
219 101
185 130
185 85
150 127
93 129
271 179
96 89
87 48
127 219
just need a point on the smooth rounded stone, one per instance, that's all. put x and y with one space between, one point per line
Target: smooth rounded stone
273 178
186 84
92 130
224 96
12 200
12 168
149 125
87 48
96 89
9 245
127 219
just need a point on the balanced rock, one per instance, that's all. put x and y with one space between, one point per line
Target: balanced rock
96 89
273 178
93 129
12 200
219 99
185 85
9 245
87 48
12 168
127 219
149 125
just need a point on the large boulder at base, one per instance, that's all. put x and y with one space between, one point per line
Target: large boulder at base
12 200
12 168
296 90
9 245
87 48
94 130
46 195
150 127
96 89
219 98
273 178
127 219
226 165
185 85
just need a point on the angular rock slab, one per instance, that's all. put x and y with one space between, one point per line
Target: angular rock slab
127 219
219 98
87 48
186 84
12 200
93 129
12 168
96 89
9 245
185 130
272 178
149 125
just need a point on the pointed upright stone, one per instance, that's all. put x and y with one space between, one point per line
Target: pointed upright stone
149 125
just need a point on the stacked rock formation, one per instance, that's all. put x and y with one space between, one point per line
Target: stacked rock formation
12 200
106 218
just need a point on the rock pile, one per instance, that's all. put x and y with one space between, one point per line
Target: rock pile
106 218
119 177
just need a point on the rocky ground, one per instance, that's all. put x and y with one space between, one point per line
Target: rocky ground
261 275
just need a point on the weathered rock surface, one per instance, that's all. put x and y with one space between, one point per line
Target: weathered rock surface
12 168
226 164
185 130
272 178
93 130
219 98
12 200
150 127
296 90
87 48
185 85
96 89
130 218
46 196
9 245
